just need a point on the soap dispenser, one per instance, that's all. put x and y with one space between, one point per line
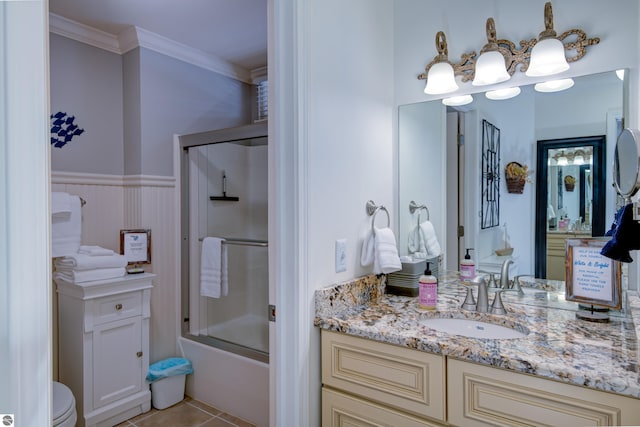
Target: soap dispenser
427 290
467 267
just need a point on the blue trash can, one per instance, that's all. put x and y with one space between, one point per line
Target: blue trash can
167 378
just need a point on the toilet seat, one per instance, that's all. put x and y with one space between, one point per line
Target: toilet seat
64 406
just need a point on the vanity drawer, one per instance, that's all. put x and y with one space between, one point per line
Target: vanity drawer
394 376
484 396
110 308
343 410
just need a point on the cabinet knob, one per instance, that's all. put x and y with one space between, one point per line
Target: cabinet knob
139 354
118 307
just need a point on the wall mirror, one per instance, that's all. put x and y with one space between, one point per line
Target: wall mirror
626 163
439 155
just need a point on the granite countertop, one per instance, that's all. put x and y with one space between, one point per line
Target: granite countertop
559 346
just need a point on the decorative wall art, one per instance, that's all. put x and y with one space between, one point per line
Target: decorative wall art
490 209
63 129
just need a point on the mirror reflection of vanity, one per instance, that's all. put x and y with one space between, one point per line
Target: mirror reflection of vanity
592 107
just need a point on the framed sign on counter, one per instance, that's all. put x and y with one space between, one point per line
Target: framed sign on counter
135 245
592 278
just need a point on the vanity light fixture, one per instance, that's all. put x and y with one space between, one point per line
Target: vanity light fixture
455 101
554 85
491 66
529 57
441 78
501 94
578 157
562 159
547 56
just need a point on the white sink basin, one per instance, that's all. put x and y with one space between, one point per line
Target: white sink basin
472 328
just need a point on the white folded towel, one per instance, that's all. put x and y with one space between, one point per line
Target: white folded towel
379 248
60 204
431 241
95 250
81 276
81 262
416 242
66 230
214 281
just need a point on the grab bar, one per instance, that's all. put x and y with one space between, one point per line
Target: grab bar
372 210
243 242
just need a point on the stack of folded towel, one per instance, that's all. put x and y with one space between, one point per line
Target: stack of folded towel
379 248
423 242
90 263
66 224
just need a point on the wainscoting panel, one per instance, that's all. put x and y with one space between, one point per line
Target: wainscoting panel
114 203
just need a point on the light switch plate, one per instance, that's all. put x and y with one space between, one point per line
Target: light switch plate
341 255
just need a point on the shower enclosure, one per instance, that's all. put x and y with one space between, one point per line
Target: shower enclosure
224 194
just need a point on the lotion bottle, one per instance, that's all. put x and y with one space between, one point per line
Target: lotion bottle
427 290
467 267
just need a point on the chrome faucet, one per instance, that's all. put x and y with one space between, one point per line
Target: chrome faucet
504 274
482 304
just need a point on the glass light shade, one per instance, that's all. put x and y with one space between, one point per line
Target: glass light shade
501 94
578 160
554 85
547 58
562 161
440 79
458 100
490 69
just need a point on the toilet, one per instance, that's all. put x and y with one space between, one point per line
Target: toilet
64 406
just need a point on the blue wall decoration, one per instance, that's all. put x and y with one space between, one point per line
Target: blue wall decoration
63 129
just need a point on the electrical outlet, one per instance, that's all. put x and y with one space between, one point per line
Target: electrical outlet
341 255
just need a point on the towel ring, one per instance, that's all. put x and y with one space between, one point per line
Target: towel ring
413 207
372 211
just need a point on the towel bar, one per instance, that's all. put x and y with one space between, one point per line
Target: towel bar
242 242
372 211
413 207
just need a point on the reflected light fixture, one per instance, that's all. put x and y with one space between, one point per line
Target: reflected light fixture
578 157
501 94
491 65
440 75
455 101
554 85
547 56
562 160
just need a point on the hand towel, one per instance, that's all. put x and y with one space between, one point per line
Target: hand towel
95 250
66 230
60 204
367 256
626 236
214 281
386 251
82 276
81 262
431 241
416 242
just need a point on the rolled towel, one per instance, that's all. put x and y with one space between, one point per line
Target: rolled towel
431 241
80 262
386 252
95 251
81 276
214 281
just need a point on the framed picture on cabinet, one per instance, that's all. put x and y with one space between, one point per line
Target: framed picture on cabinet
135 245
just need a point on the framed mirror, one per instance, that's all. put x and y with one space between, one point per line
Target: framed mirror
570 198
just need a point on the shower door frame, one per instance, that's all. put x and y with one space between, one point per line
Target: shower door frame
235 134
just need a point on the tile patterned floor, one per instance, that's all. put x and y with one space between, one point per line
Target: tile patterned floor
188 413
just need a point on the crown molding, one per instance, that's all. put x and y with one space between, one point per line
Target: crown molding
83 33
134 37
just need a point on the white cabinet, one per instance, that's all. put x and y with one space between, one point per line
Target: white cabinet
104 347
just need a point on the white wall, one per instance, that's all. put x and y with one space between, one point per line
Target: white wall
348 110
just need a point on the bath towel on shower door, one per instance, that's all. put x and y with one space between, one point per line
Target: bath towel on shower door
214 281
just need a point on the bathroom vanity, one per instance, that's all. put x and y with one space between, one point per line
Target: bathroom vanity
381 364
104 347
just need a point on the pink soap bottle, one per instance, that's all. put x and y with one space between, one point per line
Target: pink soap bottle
467 267
427 290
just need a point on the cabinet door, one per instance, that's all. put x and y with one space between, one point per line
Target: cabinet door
117 360
342 410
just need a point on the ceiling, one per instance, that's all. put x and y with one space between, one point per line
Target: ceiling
234 31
